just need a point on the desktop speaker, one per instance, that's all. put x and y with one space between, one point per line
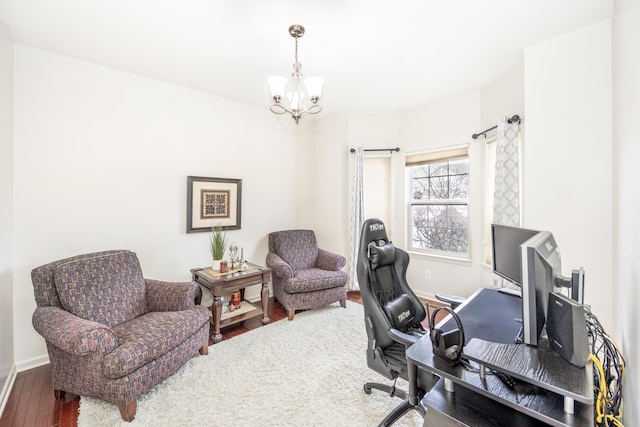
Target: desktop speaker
567 329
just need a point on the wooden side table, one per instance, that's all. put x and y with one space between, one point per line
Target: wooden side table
221 284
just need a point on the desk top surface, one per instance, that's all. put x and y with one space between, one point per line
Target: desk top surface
489 315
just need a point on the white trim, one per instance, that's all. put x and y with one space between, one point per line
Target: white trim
6 390
32 363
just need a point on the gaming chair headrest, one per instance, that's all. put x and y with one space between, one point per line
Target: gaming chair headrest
373 230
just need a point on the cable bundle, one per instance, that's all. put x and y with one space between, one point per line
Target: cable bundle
608 370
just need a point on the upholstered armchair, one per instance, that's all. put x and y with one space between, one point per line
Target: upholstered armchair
111 333
304 276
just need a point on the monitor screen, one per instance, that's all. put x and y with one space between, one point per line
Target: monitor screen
540 266
506 241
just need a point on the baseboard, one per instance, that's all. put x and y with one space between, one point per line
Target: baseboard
32 363
6 390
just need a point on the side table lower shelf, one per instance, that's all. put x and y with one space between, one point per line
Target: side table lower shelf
247 311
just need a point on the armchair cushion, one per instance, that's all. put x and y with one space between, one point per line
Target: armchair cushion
314 279
298 248
149 336
107 289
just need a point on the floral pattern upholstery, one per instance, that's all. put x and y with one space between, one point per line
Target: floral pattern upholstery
304 276
111 333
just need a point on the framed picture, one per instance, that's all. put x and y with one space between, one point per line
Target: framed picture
212 202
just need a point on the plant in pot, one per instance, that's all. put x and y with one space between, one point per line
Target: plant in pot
217 245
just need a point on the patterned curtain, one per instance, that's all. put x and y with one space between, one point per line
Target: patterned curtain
357 218
506 192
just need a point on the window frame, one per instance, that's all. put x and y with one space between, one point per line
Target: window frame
441 155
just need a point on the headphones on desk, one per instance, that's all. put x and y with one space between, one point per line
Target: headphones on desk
447 345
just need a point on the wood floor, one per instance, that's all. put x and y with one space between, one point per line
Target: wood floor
32 404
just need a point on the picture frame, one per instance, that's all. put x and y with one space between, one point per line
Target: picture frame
213 202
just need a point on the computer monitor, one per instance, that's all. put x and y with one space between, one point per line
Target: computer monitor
540 267
506 241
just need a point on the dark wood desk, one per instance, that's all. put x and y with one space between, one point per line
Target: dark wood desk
221 284
545 378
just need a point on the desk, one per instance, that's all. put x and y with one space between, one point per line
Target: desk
545 377
221 284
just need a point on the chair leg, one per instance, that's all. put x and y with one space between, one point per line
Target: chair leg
59 394
290 314
128 411
389 389
343 302
204 350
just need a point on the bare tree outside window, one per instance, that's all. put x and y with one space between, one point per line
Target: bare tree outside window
439 211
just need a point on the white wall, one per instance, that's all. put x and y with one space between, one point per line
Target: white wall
503 98
7 366
568 154
325 209
626 175
447 123
101 162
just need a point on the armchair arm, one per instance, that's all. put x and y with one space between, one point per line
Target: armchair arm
71 333
171 296
280 268
330 261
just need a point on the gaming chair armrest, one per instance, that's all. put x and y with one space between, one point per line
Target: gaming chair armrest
453 300
402 338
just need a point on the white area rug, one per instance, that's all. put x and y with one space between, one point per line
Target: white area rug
305 372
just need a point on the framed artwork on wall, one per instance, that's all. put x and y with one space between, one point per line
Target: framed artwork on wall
213 202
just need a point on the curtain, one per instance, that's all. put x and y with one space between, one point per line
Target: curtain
506 191
357 218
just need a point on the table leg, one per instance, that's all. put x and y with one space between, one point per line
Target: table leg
264 295
412 373
216 310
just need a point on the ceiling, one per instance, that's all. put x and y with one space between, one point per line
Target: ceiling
375 56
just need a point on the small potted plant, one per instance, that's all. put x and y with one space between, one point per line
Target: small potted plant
217 246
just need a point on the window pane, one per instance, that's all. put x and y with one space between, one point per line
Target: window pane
439 188
459 167
440 227
459 187
420 188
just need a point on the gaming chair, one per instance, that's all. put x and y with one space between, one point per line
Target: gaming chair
393 313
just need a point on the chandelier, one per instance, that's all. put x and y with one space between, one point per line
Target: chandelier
298 101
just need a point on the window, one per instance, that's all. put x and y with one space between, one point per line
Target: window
438 184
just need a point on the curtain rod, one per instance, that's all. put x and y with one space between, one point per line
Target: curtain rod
353 150
515 118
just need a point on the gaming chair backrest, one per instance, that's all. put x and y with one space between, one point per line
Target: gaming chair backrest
382 284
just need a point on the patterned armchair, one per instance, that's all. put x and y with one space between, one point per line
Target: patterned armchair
111 333
304 276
